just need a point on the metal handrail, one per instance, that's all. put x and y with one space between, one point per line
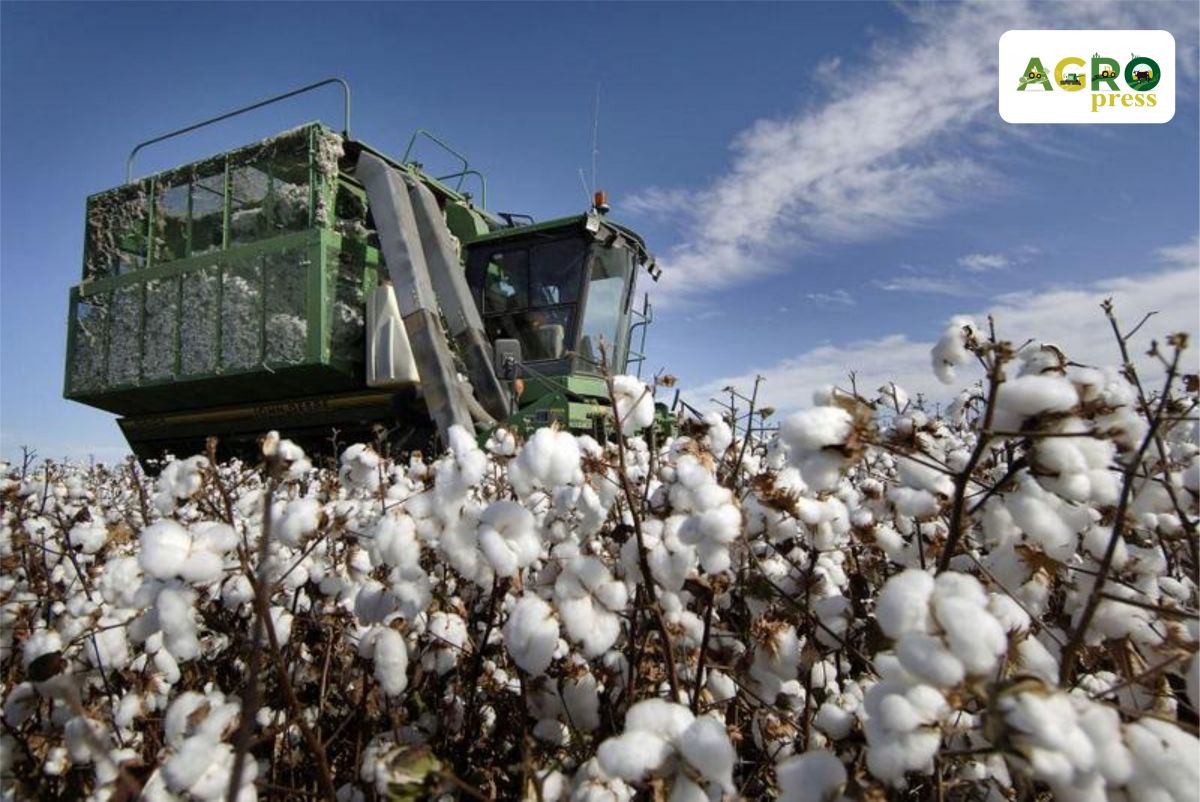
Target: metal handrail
188 129
422 132
461 176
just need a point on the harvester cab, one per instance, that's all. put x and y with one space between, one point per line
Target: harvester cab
311 284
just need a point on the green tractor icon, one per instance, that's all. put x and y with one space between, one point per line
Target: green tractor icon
1032 76
1071 79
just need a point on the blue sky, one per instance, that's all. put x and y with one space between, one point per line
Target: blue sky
825 184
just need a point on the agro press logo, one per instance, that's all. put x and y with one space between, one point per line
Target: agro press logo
1049 76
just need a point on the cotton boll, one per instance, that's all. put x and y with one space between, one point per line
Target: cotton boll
213 536
298 519
281 622
926 658
507 537
951 350
165 547
901 715
705 745
203 771
202 567
924 477
395 542
588 599
80 734
776 657
903 604
816 428
449 638
659 716
360 468
179 481
457 472
119 581
718 437
634 402
916 504
720 686
502 443
1164 757
236 591
89 537
1027 396
390 656
550 458
836 718
1008 612
108 648
21 703
1044 727
684 789
175 610
531 634
1042 523
40 642
582 702
592 784
633 755
891 758
811 777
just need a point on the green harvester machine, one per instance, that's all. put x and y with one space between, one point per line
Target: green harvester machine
312 285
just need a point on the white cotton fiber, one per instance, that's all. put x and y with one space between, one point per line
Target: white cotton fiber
903 604
549 459
951 350
814 776
633 755
507 537
705 745
816 428
665 719
635 404
391 660
299 519
531 634
164 549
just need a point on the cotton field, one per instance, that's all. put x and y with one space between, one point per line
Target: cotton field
878 598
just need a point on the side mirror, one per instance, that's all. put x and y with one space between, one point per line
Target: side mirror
506 357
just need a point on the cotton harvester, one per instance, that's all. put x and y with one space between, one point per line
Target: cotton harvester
311 284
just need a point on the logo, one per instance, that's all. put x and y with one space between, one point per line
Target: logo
1087 76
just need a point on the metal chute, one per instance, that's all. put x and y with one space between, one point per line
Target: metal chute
428 279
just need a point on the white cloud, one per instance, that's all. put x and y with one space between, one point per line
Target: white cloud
837 297
1068 317
890 149
927 285
982 262
655 202
1183 254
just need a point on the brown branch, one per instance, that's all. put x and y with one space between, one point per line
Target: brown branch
1071 652
995 379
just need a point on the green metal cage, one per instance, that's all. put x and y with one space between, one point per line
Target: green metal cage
236 278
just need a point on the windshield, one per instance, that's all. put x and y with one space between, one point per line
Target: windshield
603 317
530 293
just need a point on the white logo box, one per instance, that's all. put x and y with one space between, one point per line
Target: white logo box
1035 105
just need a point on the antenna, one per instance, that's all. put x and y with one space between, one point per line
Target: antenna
583 185
595 137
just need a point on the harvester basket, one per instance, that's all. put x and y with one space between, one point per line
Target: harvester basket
221 282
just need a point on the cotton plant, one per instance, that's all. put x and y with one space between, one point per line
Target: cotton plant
667 740
885 594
